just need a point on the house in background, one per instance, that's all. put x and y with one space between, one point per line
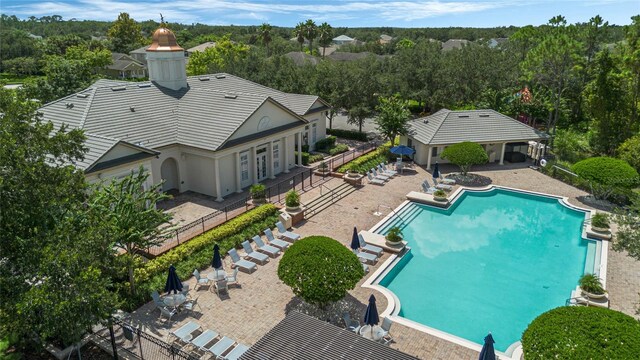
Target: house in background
454 44
125 67
301 58
343 39
385 39
214 134
496 42
201 47
502 137
140 54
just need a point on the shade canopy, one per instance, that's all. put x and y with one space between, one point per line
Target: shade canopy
436 171
371 315
355 242
173 281
216 263
402 150
487 352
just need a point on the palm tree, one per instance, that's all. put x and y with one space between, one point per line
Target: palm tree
310 32
298 32
325 35
264 32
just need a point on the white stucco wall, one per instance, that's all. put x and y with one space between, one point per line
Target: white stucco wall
200 174
227 175
276 117
174 152
120 171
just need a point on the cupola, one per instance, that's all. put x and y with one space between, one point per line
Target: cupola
166 60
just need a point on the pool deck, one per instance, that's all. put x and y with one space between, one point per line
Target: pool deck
250 311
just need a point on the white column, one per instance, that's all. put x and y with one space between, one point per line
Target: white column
504 147
238 172
300 148
254 164
270 159
285 153
428 157
216 168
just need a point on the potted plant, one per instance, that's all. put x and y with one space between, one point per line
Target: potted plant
600 223
440 195
323 167
353 173
394 237
258 193
592 287
292 201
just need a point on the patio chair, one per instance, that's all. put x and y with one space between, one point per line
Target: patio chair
428 189
222 346
365 267
254 255
130 333
200 281
369 248
267 249
236 352
286 234
167 312
156 299
350 324
366 256
374 181
185 332
379 176
191 304
275 242
386 326
386 171
241 263
220 286
204 339
232 279
185 290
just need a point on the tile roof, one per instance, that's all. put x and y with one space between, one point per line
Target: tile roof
343 38
300 336
454 44
300 58
202 47
451 127
100 145
204 115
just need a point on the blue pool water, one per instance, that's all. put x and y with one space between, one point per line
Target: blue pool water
491 263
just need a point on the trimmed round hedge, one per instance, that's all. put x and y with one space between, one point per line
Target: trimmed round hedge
465 154
606 171
320 269
579 332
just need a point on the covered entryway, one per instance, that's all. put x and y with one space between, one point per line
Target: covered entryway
169 174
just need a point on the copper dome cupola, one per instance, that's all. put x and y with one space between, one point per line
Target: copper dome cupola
164 40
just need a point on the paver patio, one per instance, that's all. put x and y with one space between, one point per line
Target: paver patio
263 300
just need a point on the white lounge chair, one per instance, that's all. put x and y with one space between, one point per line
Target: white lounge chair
236 352
369 248
276 242
267 249
428 189
370 258
185 332
380 176
204 339
286 234
447 181
254 255
221 347
386 171
241 263
372 180
444 187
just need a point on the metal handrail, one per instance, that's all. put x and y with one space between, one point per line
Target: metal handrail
392 210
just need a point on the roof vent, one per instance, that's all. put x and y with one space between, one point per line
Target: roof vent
132 109
204 78
463 116
82 96
221 76
230 96
484 115
426 121
118 88
144 85
69 105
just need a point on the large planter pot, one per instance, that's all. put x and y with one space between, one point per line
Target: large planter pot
440 198
396 244
353 175
593 296
258 201
294 209
601 230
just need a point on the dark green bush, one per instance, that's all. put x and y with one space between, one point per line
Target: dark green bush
465 154
629 151
365 162
326 143
305 157
338 149
314 158
320 269
348 134
607 171
305 148
578 332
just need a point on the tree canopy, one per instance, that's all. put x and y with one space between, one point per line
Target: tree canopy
393 117
125 34
465 154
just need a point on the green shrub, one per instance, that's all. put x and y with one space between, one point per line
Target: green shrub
465 154
292 199
570 145
305 148
348 134
439 193
591 283
257 191
320 269
607 171
365 162
326 143
338 149
579 332
315 158
305 157
629 151
600 220
394 235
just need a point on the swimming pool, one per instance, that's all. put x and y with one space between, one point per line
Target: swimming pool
492 262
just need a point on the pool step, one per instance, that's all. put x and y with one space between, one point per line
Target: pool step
327 199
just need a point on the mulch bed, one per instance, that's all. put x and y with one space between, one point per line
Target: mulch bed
471 180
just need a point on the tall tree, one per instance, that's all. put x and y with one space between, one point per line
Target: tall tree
226 56
125 34
264 32
393 117
325 36
299 33
310 32
631 62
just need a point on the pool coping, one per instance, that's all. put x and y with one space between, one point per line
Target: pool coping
514 351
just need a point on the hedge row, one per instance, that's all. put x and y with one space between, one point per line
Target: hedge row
326 143
348 134
365 162
338 149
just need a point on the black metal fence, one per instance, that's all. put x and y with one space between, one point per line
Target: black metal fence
303 181
128 341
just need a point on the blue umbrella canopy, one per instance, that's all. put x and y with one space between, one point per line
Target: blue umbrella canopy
436 171
371 315
488 353
402 150
173 281
217 261
355 242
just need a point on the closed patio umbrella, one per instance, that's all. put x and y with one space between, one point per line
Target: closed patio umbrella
173 281
488 353
355 242
402 150
436 171
216 263
371 317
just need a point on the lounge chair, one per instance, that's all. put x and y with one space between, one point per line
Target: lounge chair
254 255
380 176
447 181
367 257
275 242
386 326
286 234
350 324
241 263
374 181
428 189
386 171
267 249
236 352
221 347
185 332
204 339
200 281
232 279
440 186
369 248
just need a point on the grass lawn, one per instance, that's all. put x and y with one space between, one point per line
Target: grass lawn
15 79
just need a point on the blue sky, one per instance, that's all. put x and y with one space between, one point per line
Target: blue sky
350 13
